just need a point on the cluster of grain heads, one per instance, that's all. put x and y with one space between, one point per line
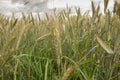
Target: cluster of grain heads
95 10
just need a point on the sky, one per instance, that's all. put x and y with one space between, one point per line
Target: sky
6 6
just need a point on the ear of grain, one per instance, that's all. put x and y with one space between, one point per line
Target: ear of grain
93 7
43 37
105 5
68 72
20 36
56 41
98 9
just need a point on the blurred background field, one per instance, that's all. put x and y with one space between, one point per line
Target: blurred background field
61 46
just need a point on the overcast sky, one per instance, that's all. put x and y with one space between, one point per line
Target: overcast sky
6 6
84 4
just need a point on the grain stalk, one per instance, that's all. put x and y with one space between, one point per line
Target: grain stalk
15 71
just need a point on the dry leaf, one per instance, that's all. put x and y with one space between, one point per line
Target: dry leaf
104 45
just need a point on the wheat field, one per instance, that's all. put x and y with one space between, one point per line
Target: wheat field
61 47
